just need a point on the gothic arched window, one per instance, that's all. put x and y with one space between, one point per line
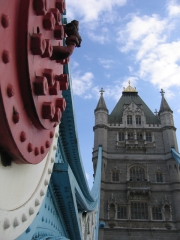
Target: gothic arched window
137 173
159 177
139 210
115 176
129 119
157 213
121 212
138 120
148 137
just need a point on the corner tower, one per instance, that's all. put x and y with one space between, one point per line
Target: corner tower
140 179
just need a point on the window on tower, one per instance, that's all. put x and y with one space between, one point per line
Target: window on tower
137 173
159 177
130 136
148 137
139 210
115 176
139 136
129 119
157 213
121 136
138 120
122 212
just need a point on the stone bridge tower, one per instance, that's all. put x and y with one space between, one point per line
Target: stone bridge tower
140 184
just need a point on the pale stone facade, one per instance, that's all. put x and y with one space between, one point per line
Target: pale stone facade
140 187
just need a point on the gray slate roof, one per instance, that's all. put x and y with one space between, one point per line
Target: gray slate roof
101 104
164 106
126 99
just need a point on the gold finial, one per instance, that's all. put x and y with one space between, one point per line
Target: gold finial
162 92
129 88
102 91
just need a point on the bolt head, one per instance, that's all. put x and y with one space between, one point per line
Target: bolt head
38 44
49 21
41 86
61 103
48 110
49 49
54 89
59 32
48 73
57 115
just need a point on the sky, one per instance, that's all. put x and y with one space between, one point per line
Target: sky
123 40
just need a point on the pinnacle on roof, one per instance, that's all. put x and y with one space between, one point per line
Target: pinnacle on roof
101 104
164 105
129 88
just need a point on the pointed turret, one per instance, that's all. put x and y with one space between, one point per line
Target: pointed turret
101 119
164 105
167 123
101 104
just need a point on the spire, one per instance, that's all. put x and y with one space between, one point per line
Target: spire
101 104
164 105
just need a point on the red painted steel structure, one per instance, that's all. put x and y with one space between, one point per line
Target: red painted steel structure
31 76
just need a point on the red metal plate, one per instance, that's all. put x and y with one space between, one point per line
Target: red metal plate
29 92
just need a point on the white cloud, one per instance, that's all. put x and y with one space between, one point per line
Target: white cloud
106 63
90 10
102 36
87 176
173 8
143 28
147 37
82 83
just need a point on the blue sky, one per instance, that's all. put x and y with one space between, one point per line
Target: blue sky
136 40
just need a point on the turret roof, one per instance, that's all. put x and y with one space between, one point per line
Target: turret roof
126 99
164 105
101 103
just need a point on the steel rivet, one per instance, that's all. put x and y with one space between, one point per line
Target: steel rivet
10 90
23 136
36 151
47 144
51 134
5 21
6 57
30 147
42 150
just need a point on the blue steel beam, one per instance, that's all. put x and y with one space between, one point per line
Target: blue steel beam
71 196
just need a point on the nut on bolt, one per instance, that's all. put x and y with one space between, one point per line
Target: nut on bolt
49 21
49 49
59 32
60 4
63 80
56 14
61 103
41 86
54 89
48 110
57 115
48 73
40 7
38 44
